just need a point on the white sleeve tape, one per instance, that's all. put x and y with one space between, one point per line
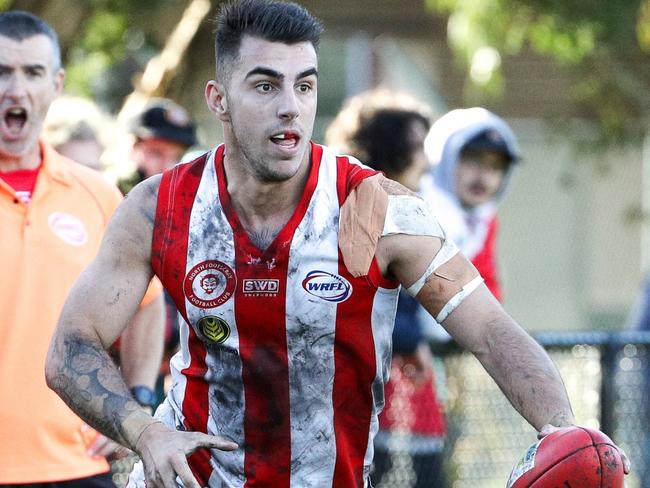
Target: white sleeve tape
407 214
446 252
456 300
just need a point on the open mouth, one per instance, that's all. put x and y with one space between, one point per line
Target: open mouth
285 139
15 119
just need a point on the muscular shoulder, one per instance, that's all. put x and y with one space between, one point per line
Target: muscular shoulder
380 207
143 198
131 228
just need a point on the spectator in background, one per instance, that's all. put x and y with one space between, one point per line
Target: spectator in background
473 152
76 127
387 131
53 213
163 132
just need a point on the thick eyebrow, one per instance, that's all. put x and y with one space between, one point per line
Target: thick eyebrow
35 66
308 72
259 70
266 72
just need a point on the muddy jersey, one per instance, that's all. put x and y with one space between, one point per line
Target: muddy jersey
283 350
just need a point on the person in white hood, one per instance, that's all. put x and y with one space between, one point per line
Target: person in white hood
472 152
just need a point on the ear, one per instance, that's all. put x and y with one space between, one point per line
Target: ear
59 78
215 97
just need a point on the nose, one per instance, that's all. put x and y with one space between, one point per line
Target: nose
288 105
15 88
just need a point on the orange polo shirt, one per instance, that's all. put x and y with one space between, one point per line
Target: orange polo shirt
44 246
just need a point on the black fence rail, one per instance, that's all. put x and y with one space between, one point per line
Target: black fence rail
607 375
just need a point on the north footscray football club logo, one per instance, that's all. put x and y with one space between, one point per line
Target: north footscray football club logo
214 328
210 284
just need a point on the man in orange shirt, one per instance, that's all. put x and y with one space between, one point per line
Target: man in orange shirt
52 217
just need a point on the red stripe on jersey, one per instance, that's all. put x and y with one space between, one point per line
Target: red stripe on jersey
349 176
354 357
176 195
261 326
355 370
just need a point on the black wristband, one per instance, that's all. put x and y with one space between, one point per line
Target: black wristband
144 395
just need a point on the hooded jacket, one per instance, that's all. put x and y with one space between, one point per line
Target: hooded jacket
472 229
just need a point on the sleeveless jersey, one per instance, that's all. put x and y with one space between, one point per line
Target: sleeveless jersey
282 351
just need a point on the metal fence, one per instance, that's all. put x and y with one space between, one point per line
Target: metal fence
607 376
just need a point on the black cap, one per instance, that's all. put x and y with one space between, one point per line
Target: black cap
166 120
491 140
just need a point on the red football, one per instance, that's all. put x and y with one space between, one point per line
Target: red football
572 457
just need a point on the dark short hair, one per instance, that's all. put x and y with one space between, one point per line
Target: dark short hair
270 20
384 139
19 25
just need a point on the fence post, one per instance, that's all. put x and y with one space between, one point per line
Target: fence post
609 352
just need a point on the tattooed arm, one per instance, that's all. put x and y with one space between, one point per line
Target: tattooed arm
100 304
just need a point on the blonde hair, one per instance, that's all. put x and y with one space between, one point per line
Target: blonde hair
76 118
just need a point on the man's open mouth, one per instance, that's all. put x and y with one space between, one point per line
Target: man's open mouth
285 139
15 119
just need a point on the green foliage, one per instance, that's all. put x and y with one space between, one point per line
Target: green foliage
99 48
112 32
582 35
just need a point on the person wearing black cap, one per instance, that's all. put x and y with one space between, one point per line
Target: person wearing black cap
163 133
472 152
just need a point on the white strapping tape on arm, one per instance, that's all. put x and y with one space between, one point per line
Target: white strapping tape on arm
446 252
458 298
408 214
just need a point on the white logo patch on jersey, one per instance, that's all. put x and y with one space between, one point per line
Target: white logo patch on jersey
327 286
210 284
261 288
68 228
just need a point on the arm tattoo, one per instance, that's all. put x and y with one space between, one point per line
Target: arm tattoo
91 385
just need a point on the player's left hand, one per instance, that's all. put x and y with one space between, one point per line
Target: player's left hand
549 429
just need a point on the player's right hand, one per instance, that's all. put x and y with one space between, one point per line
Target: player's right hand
164 454
549 429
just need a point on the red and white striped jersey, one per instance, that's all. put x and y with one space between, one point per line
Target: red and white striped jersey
283 350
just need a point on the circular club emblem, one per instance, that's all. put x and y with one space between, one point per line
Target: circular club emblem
213 328
210 284
68 228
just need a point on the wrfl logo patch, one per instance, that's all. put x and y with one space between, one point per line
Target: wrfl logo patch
327 286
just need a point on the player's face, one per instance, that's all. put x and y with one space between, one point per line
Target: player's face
479 176
268 107
29 82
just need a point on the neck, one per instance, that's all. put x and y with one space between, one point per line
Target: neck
264 207
31 159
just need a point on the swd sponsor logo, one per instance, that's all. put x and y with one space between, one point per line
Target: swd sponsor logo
261 288
327 286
